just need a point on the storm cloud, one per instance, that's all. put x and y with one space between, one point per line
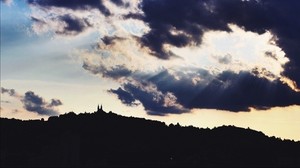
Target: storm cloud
180 24
229 91
188 20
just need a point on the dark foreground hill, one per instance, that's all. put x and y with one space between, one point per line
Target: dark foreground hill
109 140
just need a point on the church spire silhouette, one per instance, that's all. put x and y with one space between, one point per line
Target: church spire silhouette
99 109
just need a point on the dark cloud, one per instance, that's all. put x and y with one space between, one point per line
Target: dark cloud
116 72
190 19
119 3
227 91
11 92
108 40
55 102
74 25
73 4
35 103
124 96
77 4
239 92
182 23
154 102
57 19
279 17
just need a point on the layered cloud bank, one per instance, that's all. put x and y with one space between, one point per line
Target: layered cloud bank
171 56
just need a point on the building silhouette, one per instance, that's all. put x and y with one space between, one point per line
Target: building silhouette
99 108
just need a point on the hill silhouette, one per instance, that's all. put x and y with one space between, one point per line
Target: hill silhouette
109 140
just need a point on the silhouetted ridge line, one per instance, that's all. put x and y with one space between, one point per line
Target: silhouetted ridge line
109 140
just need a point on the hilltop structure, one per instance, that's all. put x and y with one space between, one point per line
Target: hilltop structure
99 109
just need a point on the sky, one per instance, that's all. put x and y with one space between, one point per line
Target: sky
205 63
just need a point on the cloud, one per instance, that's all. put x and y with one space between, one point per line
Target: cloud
227 59
153 100
178 92
176 23
125 97
114 72
260 16
230 91
73 25
240 92
271 55
55 102
66 25
179 24
34 103
7 2
107 40
11 92
174 79
119 2
71 18
175 86
73 4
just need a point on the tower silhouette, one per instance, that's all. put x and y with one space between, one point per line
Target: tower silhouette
99 109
